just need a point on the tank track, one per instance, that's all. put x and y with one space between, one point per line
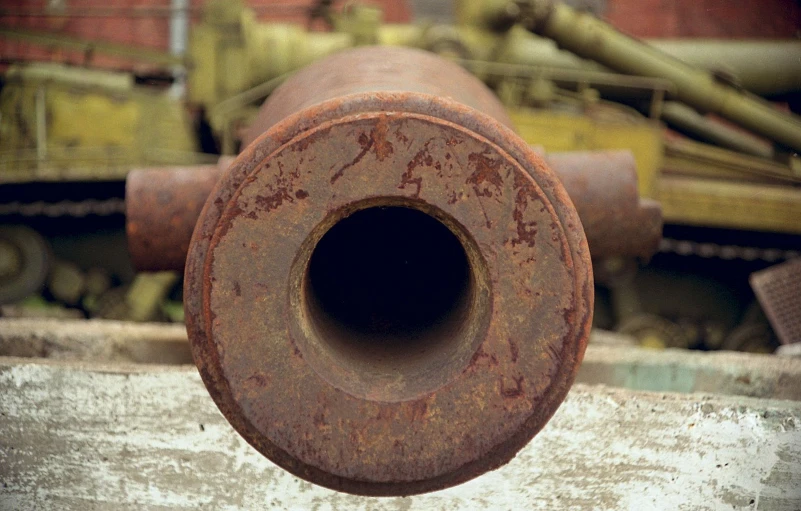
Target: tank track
78 209
726 252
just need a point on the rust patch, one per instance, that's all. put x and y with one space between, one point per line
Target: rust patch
418 410
366 142
383 147
376 140
514 351
401 137
486 170
422 158
481 356
319 420
513 391
257 381
273 201
526 230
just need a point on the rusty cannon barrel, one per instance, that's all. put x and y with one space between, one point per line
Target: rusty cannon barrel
387 292
162 205
603 188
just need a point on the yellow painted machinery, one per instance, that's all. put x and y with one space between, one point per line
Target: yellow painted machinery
63 123
556 98
68 137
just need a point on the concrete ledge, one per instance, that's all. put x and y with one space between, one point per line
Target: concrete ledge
608 361
94 340
73 436
674 370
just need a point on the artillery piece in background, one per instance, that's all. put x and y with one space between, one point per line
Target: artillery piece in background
563 102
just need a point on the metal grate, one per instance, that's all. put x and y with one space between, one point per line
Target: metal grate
778 290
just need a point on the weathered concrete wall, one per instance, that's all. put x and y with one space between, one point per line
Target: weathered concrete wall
607 361
100 340
149 437
674 370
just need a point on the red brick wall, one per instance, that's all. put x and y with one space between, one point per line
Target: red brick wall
143 23
113 21
727 19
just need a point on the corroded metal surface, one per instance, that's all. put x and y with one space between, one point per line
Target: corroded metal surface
603 187
162 205
378 411
395 72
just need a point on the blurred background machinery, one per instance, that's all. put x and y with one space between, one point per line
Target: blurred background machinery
178 83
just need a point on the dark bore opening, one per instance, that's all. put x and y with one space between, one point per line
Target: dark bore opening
389 275
392 300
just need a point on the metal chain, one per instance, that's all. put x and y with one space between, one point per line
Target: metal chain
726 252
114 206
83 208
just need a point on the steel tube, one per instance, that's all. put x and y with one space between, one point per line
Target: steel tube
162 205
591 38
603 187
684 118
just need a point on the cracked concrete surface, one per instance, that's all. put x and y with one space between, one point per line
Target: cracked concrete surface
108 436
